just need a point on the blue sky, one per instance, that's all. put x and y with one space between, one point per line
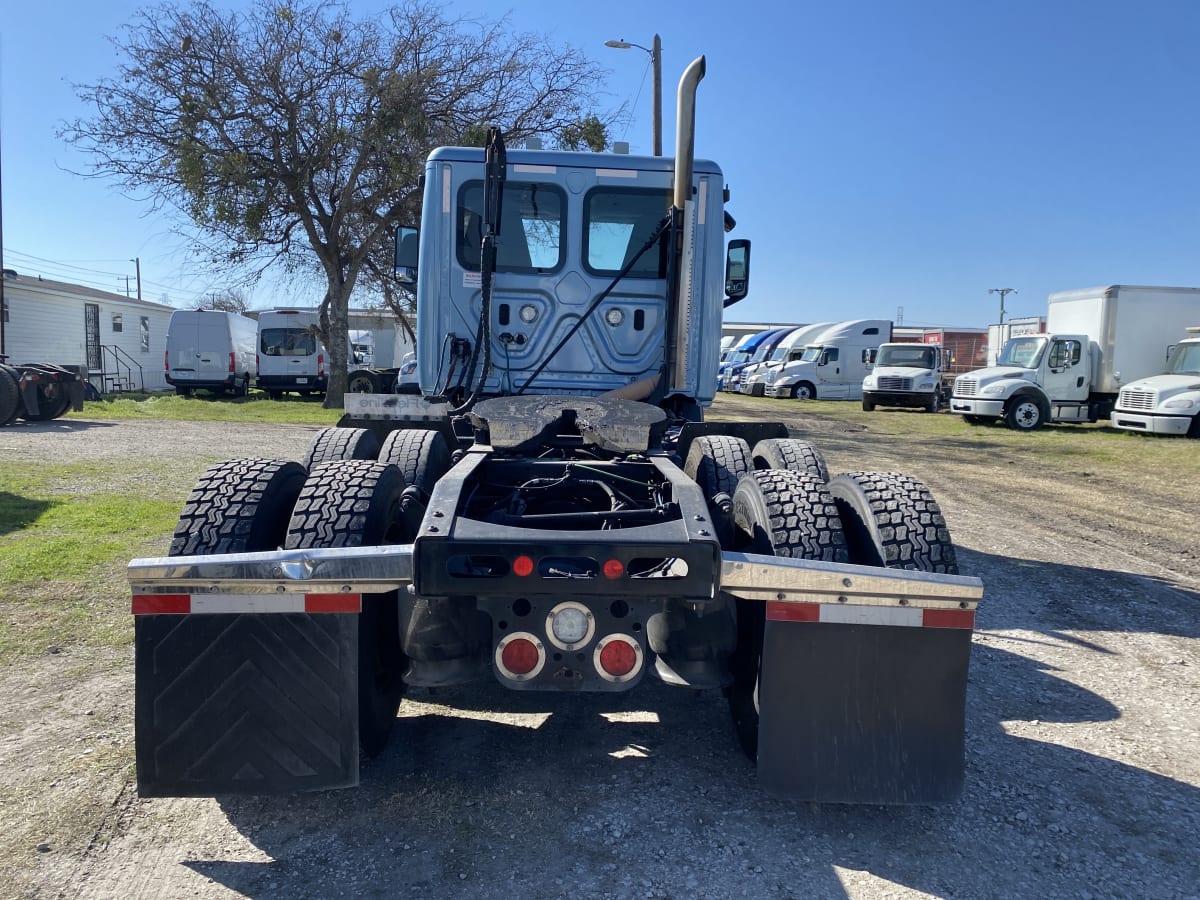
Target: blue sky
881 155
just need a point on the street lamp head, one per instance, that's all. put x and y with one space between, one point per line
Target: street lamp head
619 45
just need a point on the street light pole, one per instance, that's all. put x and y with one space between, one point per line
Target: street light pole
137 261
1003 292
655 51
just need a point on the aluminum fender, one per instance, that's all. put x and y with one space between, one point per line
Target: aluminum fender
780 579
280 573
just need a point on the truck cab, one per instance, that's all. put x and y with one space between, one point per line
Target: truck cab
833 365
905 375
1168 403
1037 378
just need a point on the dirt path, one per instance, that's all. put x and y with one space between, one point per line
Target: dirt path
1083 744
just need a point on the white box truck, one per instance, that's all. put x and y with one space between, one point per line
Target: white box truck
290 355
833 364
1097 340
1168 403
210 349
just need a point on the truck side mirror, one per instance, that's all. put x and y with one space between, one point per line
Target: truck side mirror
868 355
407 242
737 271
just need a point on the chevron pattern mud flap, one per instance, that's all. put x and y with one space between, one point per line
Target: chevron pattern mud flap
863 713
245 703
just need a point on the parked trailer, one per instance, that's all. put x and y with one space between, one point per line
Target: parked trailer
553 512
38 392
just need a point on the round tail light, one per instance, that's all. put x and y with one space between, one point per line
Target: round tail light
520 656
618 658
570 625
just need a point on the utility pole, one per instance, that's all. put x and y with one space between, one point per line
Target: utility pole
126 277
137 261
655 51
1003 292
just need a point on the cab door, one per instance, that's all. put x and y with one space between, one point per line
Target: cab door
1066 370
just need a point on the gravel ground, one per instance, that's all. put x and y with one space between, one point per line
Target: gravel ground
1083 776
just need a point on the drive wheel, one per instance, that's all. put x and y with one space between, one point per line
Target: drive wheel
341 443
868 404
238 506
356 503
53 401
935 403
1024 414
791 455
716 462
423 457
804 391
10 397
893 521
776 513
362 382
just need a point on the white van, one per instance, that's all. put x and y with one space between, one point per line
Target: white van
290 356
208 348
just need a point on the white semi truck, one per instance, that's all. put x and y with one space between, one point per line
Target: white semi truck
833 364
790 349
553 513
1168 403
1097 341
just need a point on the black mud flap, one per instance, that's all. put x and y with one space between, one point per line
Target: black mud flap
245 704
862 713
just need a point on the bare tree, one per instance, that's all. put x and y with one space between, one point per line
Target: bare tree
229 300
293 135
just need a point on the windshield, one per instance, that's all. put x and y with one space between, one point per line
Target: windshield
811 354
1185 360
915 356
1023 352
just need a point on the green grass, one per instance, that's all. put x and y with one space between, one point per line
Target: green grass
207 407
66 532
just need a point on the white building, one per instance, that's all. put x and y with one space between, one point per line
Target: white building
118 341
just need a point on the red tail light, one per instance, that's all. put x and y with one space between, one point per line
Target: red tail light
320 363
618 658
232 362
167 360
520 656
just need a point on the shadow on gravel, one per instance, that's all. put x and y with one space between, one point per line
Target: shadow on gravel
646 794
57 426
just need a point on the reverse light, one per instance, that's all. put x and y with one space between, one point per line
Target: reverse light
570 625
614 316
520 656
618 658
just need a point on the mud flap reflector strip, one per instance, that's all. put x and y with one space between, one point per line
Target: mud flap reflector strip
197 604
853 614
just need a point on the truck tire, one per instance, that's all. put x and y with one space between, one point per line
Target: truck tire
183 391
777 513
804 391
10 397
1194 429
934 404
716 462
1024 414
362 381
868 404
791 455
976 420
53 401
893 521
341 443
356 503
422 455
238 506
